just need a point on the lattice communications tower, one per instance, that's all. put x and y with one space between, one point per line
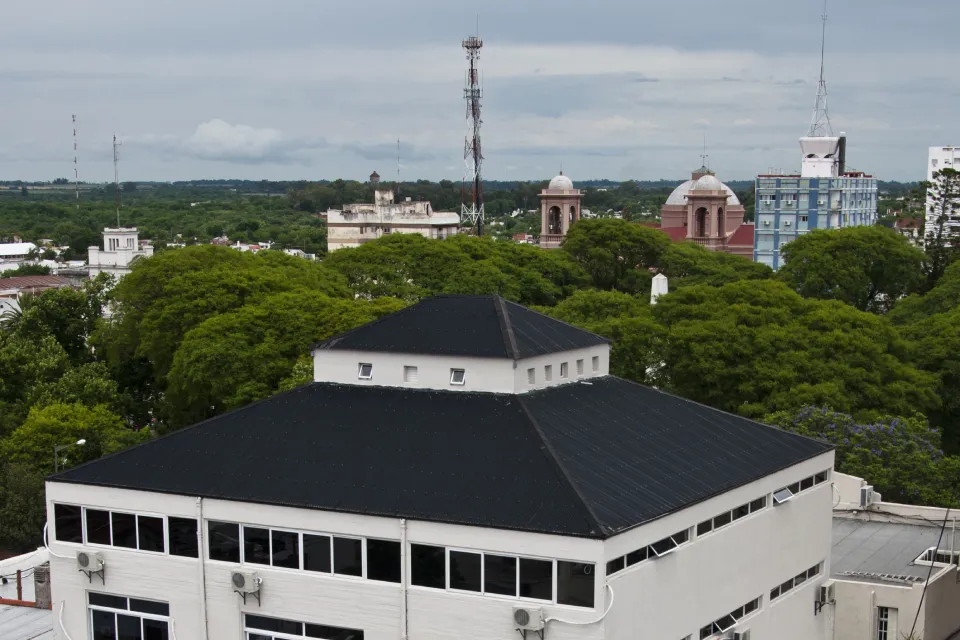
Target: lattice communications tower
471 208
820 123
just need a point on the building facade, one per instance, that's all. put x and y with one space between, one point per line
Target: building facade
559 210
707 212
121 246
434 483
823 196
356 224
940 158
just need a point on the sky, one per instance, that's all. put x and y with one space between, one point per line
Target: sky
616 89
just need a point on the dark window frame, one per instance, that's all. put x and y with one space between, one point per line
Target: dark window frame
64 518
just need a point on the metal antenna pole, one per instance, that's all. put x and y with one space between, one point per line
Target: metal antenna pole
820 124
398 169
116 175
471 212
76 173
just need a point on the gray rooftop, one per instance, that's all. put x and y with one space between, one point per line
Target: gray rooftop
25 623
865 550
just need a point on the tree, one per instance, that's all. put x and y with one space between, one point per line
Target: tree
22 507
687 263
26 269
901 457
755 347
869 268
89 384
24 365
943 201
616 253
56 424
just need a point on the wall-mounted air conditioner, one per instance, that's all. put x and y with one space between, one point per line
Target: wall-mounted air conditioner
528 618
90 562
788 223
826 594
867 496
741 635
766 223
246 582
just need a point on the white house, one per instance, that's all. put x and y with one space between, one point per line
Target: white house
16 251
121 246
463 468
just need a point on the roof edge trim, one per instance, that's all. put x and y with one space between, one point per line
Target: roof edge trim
509 339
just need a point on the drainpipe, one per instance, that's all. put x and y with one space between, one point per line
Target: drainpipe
404 581
202 570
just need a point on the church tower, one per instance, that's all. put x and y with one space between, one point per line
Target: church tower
559 210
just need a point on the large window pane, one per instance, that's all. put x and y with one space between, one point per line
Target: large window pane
465 571
256 545
428 566
104 600
150 606
98 527
383 560
124 530
536 579
104 625
128 628
274 624
347 556
286 549
68 523
575 583
333 633
224 541
183 537
500 575
150 533
155 630
316 553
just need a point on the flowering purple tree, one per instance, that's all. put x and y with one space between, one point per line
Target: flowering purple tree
901 457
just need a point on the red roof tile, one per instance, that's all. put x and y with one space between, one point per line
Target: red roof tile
34 282
743 236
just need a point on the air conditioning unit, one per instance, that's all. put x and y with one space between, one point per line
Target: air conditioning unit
766 223
867 496
89 562
826 593
246 581
528 618
788 223
741 635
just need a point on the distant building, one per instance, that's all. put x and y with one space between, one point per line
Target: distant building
910 228
16 251
559 210
938 159
19 286
356 224
523 238
121 246
707 212
299 253
823 196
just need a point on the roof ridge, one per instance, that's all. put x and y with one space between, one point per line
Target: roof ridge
563 322
332 340
592 520
506 327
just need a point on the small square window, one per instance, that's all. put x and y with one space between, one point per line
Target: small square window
596 363
806 483
366 371
548 373
410 375
531 376
579 367
617 564
458 376
639 555
820 477
794 488
564 370
781 496
704 527
722 520
741 511
758 504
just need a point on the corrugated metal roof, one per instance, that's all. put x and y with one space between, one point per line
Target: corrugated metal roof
33 282
25 623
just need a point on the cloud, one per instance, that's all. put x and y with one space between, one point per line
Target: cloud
387 151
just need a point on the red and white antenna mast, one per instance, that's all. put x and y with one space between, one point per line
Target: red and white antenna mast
471 208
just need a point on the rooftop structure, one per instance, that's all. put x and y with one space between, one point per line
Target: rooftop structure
18 286
559 210
940 158
16 250
121 246
465 467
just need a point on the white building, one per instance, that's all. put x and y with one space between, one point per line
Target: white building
16 251
359 223
121 246
940 158
464 468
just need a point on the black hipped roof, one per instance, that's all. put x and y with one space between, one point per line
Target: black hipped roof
481 326
586 459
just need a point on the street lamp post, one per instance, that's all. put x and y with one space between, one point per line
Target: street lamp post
60 447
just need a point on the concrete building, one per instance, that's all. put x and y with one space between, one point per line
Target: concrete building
824 195
940 158
121 246
19 286
16 251
463 468
559 210
358 223
707 212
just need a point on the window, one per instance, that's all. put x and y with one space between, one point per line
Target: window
428 566
256 545
182 537
564 369
98 526
285 549
383 560
316 553
264 628
596 363
725 623
500 575
365 371
721 520
531 376
883 623
457 376
617 564
536 579
465 570
347 556
548 373
781 496
575 584
150 534
938 558
804 218
410 375
120 618
579 367
68 523
639 555
224 541
796 581
705 527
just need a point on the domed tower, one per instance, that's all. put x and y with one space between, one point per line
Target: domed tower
559 210
708 209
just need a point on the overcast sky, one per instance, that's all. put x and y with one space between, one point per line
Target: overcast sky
315 89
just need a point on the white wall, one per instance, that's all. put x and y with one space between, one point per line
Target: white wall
712 575
496 375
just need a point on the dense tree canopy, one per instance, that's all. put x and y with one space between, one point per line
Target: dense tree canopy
616 253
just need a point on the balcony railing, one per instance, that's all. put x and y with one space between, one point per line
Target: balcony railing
710 242
551 240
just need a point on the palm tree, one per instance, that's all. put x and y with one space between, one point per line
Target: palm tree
13 316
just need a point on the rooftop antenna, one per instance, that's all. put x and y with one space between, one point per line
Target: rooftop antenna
820 124
398 169
471 198
116 175
704 158
76 173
